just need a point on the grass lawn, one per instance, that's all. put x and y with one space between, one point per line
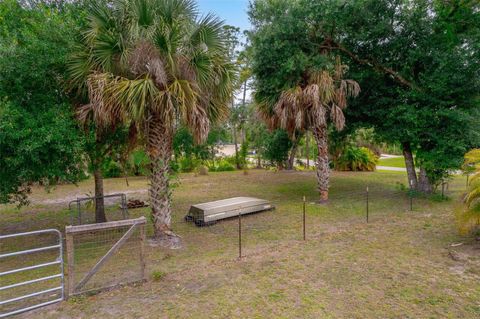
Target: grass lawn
397 266
392 162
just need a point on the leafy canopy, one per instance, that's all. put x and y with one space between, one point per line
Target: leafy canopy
415 60
39 139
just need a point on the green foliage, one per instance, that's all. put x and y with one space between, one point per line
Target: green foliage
277 146
111 168
39 138
355 158
224 164
243 153
188 164
416 62
468 215
184 145
44 148
158 275
138 162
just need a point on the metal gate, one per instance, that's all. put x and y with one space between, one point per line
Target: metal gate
32 275
84 208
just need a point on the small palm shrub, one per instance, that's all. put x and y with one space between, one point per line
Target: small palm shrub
222 165
468 214
188 164
355 158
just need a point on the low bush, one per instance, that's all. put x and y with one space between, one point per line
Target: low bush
111 169
188 164
224 164
355 158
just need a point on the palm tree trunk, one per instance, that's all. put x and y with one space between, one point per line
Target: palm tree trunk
99 200
237 158
323 169
410 165
159 147
307 148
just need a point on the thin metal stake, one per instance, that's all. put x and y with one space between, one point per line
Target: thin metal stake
304 237
367 203
240 234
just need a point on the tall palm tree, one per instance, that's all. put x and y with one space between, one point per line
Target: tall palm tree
152 64
320 95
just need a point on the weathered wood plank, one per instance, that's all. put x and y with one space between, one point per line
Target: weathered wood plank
102 226
107 256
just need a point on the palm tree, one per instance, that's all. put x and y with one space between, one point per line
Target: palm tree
468 215
320 95
153 64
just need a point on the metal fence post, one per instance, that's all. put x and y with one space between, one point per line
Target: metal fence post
304 236
240 233
142 252
367 203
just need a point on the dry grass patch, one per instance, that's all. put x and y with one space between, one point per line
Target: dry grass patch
398 265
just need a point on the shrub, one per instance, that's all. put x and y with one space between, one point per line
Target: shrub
225 167
222 165
138 163
158 275
188 164
277 146
468 213
355 158
111 169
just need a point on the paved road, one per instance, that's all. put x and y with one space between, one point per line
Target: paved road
388 168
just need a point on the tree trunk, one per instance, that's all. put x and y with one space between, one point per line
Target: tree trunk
323 169
410 165
293 153
307 148
237 159
159 148
99 201
424 184
259 161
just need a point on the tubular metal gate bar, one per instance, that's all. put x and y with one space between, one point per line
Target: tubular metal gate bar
57 261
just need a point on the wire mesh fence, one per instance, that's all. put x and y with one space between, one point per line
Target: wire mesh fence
106 255
82 210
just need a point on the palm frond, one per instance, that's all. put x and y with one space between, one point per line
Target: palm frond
140 58
472 196
337 117
207 34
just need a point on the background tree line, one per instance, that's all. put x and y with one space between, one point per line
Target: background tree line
412 66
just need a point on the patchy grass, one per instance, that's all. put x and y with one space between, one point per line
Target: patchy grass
398 265
392 162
